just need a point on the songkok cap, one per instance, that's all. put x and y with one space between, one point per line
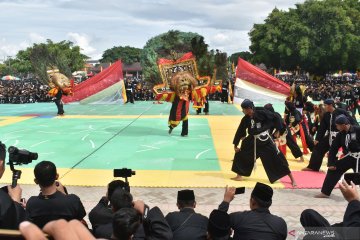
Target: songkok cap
219 224
342 119
262 192
269 107
247 104
329 101
186 195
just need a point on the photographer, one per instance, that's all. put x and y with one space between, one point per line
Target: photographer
11 210
53 202
154 225
102 212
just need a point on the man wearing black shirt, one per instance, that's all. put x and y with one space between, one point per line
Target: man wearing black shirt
257 143
348 139
326 134
59 103
52 203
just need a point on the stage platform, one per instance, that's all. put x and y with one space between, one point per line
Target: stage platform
91 140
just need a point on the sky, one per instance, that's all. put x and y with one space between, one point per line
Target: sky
97 25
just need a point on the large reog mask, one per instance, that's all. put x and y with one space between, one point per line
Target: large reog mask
183 83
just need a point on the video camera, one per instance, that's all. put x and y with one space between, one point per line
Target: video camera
124 173
19 157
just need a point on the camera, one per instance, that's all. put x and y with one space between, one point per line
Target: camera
124 172
19 157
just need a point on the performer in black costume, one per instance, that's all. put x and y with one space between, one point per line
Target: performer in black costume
258 121
348 139
326 133
59 103
290 142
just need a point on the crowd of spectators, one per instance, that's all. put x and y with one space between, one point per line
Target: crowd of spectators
23 91
345 88
142 91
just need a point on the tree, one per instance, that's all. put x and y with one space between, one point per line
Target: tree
317 36
247 56
127 54
62 55
162 45
221 64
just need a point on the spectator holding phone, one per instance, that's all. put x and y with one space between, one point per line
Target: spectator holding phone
311 218
258 223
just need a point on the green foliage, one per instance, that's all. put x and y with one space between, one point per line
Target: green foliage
317 36
221 64
247 56
62 55
162 45
36 59
127 54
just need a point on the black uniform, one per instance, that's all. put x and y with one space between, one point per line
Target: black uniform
324 139
225 92
59 103
187 224
43 209
154 227
294 118
258 127
101 213
290 142
350 143
11 213
348 229
256 224
129 91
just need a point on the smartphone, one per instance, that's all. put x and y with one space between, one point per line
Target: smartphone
240 190
354 177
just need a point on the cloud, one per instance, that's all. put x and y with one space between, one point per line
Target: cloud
83 41
10 49
98 25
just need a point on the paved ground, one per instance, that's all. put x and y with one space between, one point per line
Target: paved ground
287 203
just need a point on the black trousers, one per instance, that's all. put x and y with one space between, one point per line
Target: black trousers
274 161
292 144
129 96
206 109
318 154
314 223
224 96
333 176
309 140
185 127
59 106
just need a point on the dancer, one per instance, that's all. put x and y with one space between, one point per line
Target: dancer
326 133
258 143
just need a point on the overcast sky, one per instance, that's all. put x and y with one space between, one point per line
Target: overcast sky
96 25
